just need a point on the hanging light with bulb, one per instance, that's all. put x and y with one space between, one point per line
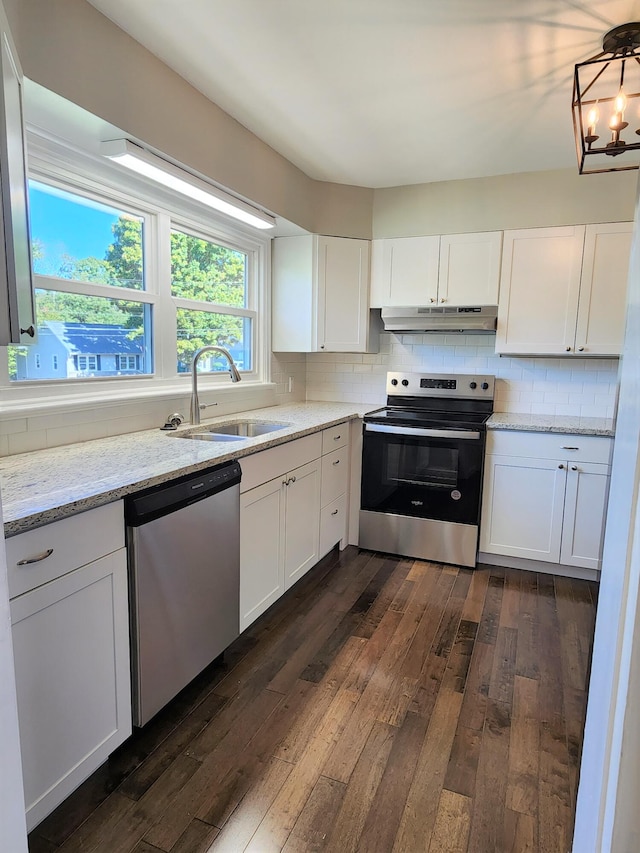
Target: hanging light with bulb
606 104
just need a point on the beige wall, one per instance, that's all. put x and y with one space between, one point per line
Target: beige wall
525 200
70 48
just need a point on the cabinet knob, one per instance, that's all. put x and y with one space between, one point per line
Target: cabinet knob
432 299
337 437
568 349
335 512
321 346
285 482
292 480
580 349
561 467
28 331
574 467
337 462
443 300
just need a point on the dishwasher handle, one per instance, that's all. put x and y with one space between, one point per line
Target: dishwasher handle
149 504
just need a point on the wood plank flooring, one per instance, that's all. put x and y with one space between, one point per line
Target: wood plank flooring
384 705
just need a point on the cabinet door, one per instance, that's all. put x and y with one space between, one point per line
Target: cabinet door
302 521
71 649
261 549
469 272
17 317
539 287
584 514
343 294
522 507
405 271
603 289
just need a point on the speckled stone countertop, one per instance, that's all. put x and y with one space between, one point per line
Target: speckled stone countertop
46 485
552 423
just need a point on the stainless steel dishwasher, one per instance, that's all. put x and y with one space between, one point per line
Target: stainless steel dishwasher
184 567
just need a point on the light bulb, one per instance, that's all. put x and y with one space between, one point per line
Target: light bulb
592 118
621 102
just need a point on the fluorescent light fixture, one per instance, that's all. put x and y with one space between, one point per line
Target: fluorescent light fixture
151 166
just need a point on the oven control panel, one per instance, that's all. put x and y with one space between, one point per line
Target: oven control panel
470 386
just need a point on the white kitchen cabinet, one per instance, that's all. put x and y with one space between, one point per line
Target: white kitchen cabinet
17 317
404 271
563 290
456 269
321 295
603 289
545 497
261 549
469 271
279 537
290 521
71 650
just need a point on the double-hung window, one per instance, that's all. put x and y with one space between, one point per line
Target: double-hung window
130 280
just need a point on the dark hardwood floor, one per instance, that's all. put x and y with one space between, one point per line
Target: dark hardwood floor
382 705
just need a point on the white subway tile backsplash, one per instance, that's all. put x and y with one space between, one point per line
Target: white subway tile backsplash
540 385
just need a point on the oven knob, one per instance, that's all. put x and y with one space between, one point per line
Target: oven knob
473 385
394 381
405 382
485 386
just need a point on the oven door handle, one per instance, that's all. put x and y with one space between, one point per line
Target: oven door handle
423 433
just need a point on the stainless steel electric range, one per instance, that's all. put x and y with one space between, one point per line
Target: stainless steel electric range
422 465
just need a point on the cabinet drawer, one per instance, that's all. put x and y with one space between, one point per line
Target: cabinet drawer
334 475
267 464
333 524
73 542
334 437
586 448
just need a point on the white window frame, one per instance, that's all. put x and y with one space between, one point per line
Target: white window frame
99 179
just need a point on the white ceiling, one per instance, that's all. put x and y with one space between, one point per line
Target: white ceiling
386 92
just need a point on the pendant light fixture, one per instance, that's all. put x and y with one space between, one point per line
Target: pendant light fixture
161 171
606 104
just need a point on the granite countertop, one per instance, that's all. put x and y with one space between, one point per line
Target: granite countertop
552 423
46 485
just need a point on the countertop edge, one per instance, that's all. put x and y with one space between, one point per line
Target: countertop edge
15 526
561 426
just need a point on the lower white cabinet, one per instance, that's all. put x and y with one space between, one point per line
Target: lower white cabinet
545 497
293 519
71 649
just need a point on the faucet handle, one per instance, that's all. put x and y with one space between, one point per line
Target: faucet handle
173 421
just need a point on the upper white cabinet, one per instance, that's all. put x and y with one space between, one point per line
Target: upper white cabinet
563 290
17 314
404 271
452 269
321 295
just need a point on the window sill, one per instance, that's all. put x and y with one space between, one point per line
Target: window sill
96 398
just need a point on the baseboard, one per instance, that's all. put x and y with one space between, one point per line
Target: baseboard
538 566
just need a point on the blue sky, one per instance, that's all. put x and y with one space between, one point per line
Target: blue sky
65 227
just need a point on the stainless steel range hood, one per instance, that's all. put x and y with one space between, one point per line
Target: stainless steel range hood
473 318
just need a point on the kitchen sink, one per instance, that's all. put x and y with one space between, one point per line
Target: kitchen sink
233 431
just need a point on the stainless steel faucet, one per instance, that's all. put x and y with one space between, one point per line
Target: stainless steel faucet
233 372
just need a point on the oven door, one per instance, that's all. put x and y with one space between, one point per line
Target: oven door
426 473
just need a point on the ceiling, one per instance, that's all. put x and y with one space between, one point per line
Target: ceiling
381 93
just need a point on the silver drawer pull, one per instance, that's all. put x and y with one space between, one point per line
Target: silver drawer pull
335 512
337 437
337 462
37 559
564 447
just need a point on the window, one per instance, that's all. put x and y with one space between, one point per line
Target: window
209 286
84 252
128 362
130 280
